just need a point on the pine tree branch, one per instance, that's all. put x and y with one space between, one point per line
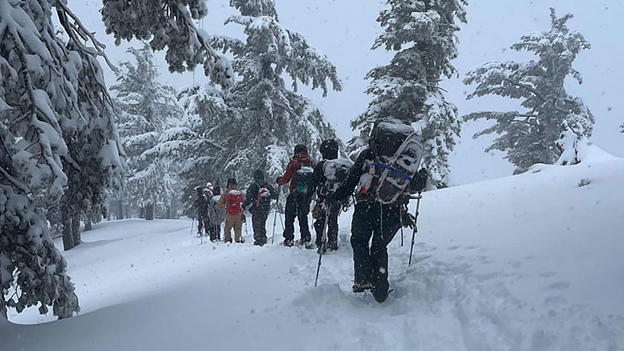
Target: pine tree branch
526 87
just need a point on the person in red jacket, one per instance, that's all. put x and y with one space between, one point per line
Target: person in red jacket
299 173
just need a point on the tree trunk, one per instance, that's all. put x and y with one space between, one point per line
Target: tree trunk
3 311
149 212
141 212
168 213
75 224
120 211
68 239
88 224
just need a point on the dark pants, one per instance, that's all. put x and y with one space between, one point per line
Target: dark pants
371 262
214 230
258 221
297 206
203 221
334 209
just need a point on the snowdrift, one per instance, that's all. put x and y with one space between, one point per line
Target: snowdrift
530 262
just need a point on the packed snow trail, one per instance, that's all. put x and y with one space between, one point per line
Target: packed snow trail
531 262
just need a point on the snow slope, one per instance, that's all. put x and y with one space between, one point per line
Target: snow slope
531 262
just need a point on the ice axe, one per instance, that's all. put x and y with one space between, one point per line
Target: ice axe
419 196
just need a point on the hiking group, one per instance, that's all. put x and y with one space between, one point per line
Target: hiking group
381 182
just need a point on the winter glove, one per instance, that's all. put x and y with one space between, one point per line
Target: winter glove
408 220
277 180
419 182
243 218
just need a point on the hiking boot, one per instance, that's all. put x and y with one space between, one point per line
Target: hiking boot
288 242
361 287
380 293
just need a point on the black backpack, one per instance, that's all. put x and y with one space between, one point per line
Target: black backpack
335 172
304 180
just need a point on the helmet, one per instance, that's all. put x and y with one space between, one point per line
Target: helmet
329 149
209 185
231 181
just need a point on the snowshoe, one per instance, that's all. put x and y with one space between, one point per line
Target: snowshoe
398 173
361 287
288 242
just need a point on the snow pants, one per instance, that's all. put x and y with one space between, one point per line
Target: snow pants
334 208
215 231
371 261
203 223
297 206
258 222
236 222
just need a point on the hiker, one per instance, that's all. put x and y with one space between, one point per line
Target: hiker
216 216
201 206
232 199
299 174
328 174
258 203
371 218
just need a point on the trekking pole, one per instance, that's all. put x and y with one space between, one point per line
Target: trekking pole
323 241
415 229
401 220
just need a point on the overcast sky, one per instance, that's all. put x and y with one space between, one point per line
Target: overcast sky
344 30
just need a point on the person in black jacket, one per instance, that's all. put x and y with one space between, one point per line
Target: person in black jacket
327 210
371 218
258 203
201 204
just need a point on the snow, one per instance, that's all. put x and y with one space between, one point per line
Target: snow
531 262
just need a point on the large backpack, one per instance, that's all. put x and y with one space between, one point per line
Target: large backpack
303 180
264 196
397 161
335 172
233 200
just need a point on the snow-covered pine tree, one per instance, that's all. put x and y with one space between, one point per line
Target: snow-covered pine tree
529 137
423 33
169 24
148 108
260 120
50 88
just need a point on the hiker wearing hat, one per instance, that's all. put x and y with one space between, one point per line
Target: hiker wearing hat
232 198
258 203
299 173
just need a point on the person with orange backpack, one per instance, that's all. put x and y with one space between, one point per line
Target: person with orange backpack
258 203
299 173
232 198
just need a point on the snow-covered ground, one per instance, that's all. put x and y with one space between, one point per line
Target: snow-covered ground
532 262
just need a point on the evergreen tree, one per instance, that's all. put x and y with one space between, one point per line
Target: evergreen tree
422 32
530 136
259 121
168 24
147 108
